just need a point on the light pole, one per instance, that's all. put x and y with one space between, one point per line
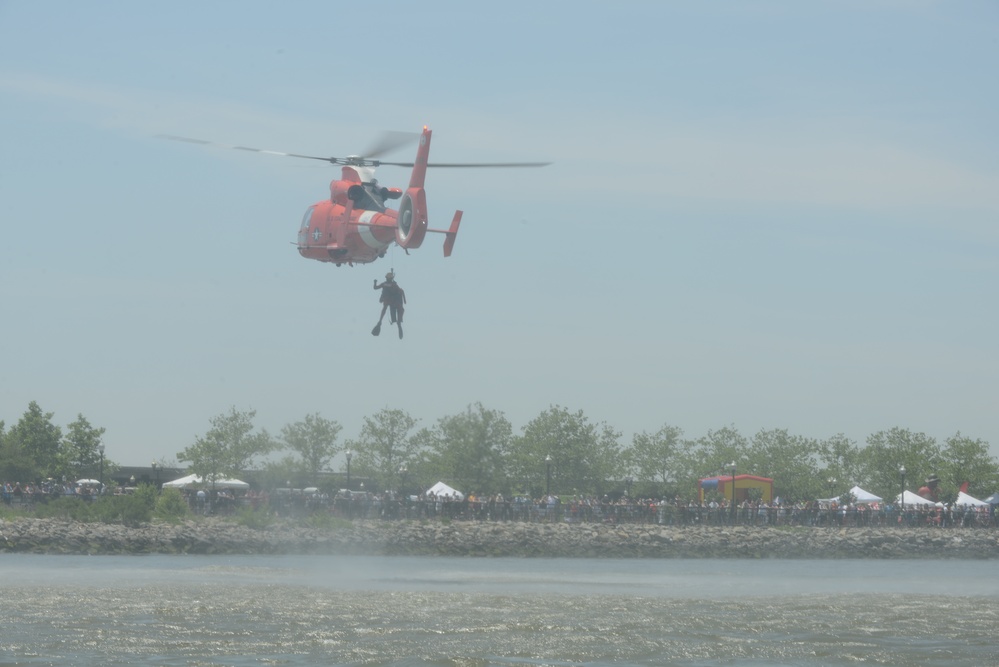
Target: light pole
901 471
732 465
548 475
100 478
350 455
402 489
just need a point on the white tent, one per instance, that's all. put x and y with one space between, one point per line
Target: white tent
864 497
441 489
195 480
861 497
964 499
913 499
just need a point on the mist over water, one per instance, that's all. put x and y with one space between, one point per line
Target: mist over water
183 610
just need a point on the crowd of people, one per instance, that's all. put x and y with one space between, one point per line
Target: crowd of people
547 508
17 493
674 512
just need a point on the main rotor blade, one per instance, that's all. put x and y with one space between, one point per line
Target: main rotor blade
468 164
389 141
204 142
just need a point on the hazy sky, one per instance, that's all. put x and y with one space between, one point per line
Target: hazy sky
760 214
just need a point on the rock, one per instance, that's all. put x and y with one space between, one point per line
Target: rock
457 538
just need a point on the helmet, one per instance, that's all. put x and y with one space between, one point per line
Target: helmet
389 276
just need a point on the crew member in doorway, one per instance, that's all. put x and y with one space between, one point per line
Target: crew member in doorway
393 299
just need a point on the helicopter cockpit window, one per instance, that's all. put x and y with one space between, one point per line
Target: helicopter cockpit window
307 217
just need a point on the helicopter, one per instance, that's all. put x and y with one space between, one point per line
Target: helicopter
354 226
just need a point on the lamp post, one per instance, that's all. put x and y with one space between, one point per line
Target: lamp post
350 455
732 465
901 471
100 478
402 489
548 475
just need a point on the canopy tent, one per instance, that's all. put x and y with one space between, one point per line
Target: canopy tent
993 499
442 489
964 499
913 499
864 497
87 482
860 496
195 480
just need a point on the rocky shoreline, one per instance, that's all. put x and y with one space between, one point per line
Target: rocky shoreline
418 538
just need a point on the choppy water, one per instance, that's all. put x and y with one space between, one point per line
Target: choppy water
416 612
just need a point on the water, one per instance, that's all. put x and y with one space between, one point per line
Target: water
418 612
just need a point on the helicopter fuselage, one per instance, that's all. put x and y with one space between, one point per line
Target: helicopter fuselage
354 226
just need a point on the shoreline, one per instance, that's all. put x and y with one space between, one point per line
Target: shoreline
472 539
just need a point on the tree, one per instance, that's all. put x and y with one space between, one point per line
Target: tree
468 449
657 457
842 463
712 453
31 448
585 457
314 440
81 453
966 460
888 451
228 448
384 445
791 460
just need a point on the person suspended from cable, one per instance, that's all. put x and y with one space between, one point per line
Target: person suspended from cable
393 299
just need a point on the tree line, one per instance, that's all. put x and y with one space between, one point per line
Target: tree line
477 451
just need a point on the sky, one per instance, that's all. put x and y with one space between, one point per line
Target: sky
759 214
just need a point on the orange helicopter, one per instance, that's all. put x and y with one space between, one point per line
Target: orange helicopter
354 226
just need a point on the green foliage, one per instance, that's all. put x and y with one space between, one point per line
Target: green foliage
287 472
258 518
841 461
228 448
384 447
467 450
68 508
131 509
30 450
966 460
888 451
314 440
80 451
791 460
326 521
171 506
35 449
659 457
584 456
714 452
